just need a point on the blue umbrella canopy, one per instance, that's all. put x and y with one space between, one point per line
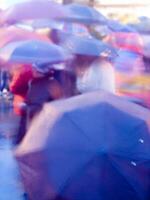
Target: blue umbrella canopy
46 23
33 51
95 149
86 45
84 14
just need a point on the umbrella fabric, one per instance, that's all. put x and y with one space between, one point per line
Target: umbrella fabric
31 10
84 14
86 45
93 146
46 23
76 29
33 51
13 34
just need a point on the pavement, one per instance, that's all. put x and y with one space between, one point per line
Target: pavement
10 183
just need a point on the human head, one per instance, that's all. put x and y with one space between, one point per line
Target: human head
81 62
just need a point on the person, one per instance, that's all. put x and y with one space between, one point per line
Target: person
91 63
21 75
93 73
45 86
4 82
130 73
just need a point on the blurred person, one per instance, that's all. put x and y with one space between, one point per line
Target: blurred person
127 65
21 75
46 85
54 36
93 73
146 61
91 63
4 82
54 84
131 78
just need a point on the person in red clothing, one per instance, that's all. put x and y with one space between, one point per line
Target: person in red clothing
36 86
21 75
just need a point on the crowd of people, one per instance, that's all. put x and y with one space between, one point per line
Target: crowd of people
83 56
32 85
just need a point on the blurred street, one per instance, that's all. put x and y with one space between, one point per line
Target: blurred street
10 186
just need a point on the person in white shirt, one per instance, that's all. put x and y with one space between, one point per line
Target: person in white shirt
99 75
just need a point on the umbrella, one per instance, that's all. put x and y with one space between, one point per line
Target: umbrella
92 146
76 29
33 51
13 34
84 14
86 45
100 31
32 10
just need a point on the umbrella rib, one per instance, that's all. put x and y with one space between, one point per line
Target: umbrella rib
69 180
72 177
117 168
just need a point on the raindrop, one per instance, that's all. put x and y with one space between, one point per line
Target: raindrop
141 140
133 163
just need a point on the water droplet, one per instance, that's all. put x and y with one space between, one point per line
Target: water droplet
141 140
133 163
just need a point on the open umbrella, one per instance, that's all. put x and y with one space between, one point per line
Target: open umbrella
13 34
76 29
32 10
93 146
46 23
33 51
84 14
86 45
